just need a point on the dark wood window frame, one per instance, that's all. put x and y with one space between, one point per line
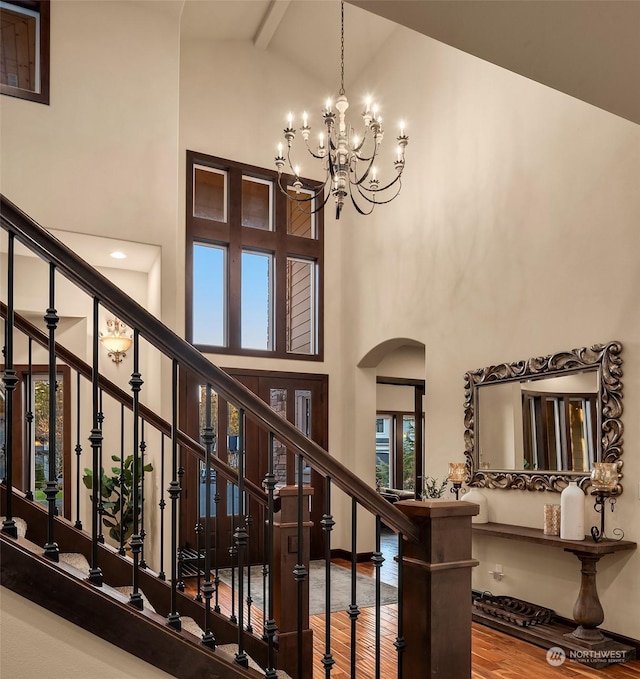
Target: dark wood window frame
236 238
43 7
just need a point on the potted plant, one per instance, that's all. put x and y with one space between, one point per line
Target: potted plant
433 489
117 497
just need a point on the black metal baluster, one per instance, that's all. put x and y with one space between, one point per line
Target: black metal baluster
327 524
198 529
240 537
136 539
233 551
143 532
51 549
208 638
78 451
300 570
173 619
353 610
248 521
216 545
10 380
101 467
265 564
95 572
121 550
270 627
378 560
400 643
29 420
162 504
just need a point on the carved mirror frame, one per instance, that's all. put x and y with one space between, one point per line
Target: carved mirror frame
606 358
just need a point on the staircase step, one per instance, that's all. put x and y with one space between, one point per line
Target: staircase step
127 590
191 626
76 560
21 525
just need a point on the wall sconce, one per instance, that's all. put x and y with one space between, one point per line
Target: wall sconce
604 479
117 341
457 475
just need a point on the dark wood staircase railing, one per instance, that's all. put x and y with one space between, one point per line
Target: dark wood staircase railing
435 541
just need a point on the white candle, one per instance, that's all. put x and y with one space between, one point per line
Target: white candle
321 140
290 119
304 119
402 128
280 150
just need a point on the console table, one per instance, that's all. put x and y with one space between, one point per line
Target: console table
587 611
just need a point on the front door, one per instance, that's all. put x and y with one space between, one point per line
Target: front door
301 399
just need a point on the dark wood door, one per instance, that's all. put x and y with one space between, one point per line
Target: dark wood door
300 398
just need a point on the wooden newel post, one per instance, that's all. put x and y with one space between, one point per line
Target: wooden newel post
437 590
285 586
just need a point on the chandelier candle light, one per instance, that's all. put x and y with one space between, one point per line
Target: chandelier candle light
348 157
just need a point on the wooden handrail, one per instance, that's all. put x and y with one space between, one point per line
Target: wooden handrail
73 267
126 399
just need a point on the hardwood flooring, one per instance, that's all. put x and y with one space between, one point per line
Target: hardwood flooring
494 655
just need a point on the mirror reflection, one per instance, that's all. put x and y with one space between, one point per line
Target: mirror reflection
539 423
545 424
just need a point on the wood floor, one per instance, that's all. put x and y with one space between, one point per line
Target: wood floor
494 655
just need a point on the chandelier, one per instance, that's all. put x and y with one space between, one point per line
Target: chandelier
348 157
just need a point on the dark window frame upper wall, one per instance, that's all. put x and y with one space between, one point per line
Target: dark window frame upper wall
43 7
236 237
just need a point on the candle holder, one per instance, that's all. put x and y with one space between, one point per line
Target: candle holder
604 479
457 475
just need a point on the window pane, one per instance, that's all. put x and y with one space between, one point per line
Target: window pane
202 412
301 306
408 452
278 403
383 451
209 193
256 203
40 400
209 293
299 221
257 300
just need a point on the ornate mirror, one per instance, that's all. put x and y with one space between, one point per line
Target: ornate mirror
540 423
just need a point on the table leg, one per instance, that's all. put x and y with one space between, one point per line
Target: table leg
587 610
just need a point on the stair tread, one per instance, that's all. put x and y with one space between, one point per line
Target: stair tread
21 525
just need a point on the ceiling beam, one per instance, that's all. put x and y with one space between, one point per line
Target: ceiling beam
270 22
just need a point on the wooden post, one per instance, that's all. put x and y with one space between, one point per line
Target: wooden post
285 587
437 590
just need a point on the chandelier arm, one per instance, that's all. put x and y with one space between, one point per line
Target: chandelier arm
300 201
315 155
308 197
390 184
359 181
358 208
380 202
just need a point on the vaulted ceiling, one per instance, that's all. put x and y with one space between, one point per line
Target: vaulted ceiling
589 49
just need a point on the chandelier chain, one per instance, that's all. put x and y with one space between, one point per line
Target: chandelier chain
342 47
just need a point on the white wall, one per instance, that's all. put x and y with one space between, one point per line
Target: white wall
63 649
516 234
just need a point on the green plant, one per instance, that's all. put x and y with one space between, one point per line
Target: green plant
433 488
117 497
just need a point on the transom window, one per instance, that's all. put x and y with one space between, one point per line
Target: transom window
253 263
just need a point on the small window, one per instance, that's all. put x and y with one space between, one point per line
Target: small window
257 201
300 222
209 295
209 193
24 68
301 306
257 300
